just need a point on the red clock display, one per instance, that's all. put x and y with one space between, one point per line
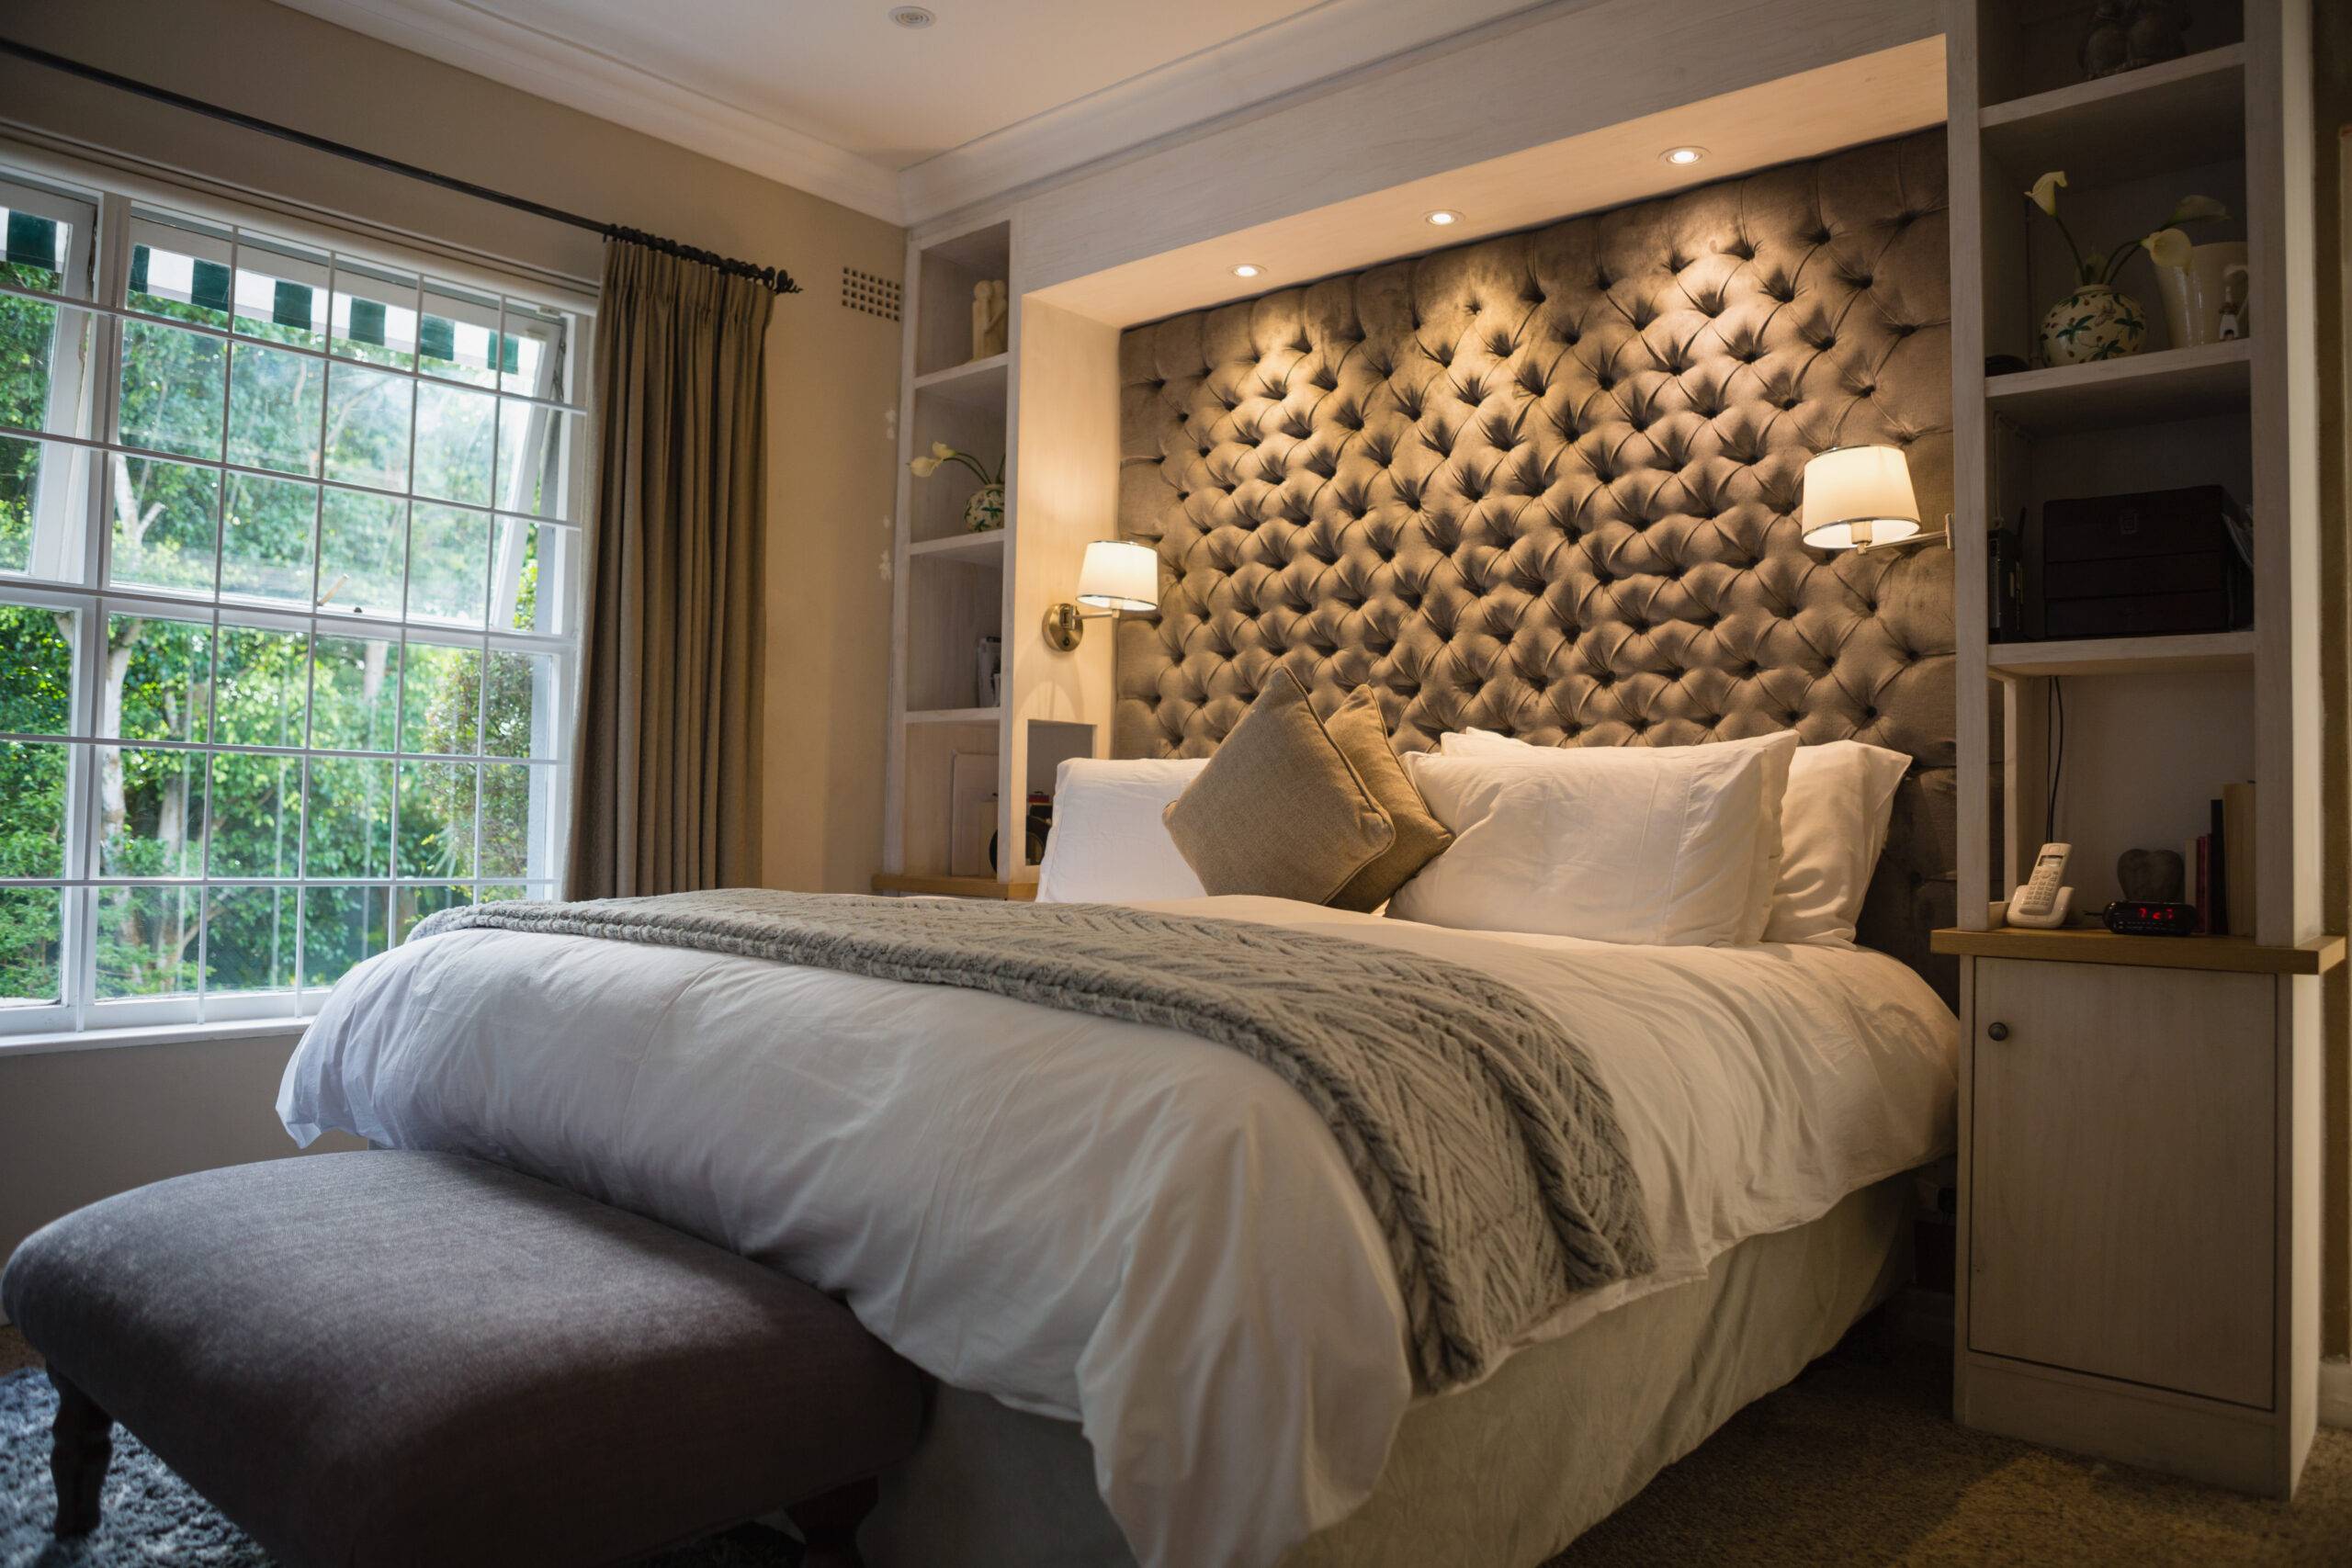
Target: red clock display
2139 917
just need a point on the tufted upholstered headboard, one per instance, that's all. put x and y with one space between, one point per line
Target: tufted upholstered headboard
1547 484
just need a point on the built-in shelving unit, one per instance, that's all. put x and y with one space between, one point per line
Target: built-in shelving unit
972 766
954 716
2224 954
2146 388
977 383
944 781
2153 727
970 548
2126 126
2125 655
2128 1100
911 886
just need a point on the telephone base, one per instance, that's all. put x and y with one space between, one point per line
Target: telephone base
2062 910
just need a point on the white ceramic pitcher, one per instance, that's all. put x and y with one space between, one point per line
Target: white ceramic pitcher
2193 295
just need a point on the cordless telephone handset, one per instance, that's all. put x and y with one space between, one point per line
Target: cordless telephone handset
2042 902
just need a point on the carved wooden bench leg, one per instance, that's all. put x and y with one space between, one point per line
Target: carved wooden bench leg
829 1523
82 1446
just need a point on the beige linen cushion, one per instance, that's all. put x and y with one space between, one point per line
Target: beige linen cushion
1356 728
1279 810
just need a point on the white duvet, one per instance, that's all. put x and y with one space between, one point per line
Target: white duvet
1114 1223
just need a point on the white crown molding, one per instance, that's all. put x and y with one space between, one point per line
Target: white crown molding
564 72
1334 38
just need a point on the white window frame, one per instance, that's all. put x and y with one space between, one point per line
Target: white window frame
58 503
69 567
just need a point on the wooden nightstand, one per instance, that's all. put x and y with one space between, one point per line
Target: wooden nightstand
2129 1205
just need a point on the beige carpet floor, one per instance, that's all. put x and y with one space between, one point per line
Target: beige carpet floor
1858 1462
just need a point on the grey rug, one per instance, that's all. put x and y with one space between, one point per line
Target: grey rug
151 1516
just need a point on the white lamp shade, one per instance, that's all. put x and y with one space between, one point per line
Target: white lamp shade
1858 495
1117 575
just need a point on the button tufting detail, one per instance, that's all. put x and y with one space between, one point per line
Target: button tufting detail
1436 478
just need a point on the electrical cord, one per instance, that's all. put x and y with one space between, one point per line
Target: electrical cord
2054 722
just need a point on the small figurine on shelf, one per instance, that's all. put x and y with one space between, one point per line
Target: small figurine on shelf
2104 50
988 308
2150 876
984 513
2233 319
2127 34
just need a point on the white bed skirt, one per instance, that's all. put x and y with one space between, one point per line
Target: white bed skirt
1505 1474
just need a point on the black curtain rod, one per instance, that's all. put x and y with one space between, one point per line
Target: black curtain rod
775 277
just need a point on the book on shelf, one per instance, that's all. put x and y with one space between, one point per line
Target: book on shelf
2217 863
2197 869
2238 856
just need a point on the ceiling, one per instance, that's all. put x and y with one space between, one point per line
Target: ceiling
1886 92
832 96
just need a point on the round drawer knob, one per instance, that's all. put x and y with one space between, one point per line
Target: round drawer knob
1997 1031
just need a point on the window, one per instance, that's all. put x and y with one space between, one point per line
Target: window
289 563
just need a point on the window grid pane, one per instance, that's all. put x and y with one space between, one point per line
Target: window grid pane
315 684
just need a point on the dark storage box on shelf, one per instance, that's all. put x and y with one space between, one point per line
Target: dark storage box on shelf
2156 564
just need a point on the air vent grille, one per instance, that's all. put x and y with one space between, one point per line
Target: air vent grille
865 291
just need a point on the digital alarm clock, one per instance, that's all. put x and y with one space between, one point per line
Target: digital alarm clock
2137 917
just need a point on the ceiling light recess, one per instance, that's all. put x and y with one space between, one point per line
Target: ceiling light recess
911 16
1247 269
1443 217
1683 155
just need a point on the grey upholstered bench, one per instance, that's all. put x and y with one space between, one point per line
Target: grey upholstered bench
407 1359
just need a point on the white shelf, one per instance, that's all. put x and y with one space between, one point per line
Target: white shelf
2125 655
2184 113
2141 388
979 384
987 546
954 716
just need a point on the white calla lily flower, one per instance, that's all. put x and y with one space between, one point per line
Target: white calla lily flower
2168 247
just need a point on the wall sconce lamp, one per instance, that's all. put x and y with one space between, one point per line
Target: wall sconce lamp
1857 498
1116 577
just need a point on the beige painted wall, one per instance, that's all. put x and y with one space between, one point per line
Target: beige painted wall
76 1125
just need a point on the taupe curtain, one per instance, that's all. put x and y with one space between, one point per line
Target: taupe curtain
667 780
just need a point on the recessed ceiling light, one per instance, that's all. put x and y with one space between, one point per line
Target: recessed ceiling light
1444 217
1247 269
911 16
1683 155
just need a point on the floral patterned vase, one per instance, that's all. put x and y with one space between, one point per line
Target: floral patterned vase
2093 322
985 512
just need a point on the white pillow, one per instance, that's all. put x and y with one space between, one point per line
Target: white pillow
1779 751
1109 845
1832 828
1649 844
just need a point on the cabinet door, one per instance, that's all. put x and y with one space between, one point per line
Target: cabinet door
2122 1191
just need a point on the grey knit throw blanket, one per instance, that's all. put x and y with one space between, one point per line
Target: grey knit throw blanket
1487 1147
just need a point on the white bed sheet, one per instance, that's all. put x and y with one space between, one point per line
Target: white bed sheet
1110 1222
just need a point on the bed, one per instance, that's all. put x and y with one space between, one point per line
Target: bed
1539 485
1125 1227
